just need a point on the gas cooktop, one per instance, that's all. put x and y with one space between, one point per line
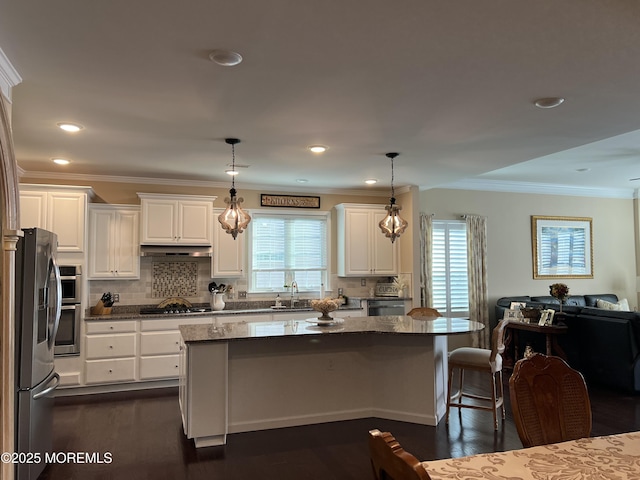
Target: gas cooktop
173 309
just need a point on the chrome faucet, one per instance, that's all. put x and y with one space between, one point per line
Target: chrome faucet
294 290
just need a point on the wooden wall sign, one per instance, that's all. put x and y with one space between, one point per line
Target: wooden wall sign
291 201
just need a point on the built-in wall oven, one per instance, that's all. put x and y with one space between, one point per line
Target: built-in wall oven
68 337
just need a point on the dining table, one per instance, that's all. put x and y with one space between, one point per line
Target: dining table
608 457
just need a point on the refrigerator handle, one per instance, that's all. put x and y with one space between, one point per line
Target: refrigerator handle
56 323
49 389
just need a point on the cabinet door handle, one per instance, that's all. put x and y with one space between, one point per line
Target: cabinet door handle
110 371
111 347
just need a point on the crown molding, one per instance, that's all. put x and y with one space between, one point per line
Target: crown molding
86 178
9 76
540 188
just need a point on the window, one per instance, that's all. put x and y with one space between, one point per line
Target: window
287 247
449 270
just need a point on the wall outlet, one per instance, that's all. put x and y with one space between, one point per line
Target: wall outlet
242 294
116 297
363 282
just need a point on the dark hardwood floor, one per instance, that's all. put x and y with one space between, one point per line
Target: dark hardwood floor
143 433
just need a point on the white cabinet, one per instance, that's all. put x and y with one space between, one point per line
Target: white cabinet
203 386
61 210
228 254
160 346
114 240
363 250
176 219
110 349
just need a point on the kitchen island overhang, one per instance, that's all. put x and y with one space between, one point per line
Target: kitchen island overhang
246 376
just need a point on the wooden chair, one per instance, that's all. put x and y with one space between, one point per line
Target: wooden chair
389 460
550 401
483 360
424 312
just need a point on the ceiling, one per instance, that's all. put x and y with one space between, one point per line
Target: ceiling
448 85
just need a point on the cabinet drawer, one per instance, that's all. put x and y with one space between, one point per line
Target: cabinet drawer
172 323
110 346
162 366
106 326
158 343
110 371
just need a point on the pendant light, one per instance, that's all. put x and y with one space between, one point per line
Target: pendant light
393 225
234 219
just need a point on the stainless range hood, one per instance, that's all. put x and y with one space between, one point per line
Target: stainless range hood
175 251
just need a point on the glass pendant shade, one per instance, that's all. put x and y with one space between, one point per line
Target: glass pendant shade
234 219
393 225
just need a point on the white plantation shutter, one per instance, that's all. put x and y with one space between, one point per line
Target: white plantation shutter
449 270
563 250
286 248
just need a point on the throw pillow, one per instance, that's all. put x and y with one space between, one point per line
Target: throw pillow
622 305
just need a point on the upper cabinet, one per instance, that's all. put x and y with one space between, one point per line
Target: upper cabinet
363 250
60 209
175 219
228 254
114 239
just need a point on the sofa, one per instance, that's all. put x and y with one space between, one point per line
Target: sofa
601 343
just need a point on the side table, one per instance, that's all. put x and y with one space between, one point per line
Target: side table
550 332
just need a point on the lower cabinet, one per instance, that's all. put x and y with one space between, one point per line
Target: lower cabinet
145 350
114 370
111 351
160 346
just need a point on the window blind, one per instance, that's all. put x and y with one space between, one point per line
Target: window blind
286 248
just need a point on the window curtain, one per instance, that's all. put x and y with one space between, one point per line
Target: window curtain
426 259
477 269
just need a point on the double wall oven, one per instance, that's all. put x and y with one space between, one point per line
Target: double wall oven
68 338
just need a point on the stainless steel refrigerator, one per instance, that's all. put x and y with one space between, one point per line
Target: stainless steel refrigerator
38 306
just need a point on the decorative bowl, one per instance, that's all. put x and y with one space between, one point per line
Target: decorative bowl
325 306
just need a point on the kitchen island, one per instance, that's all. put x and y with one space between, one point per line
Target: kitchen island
239 377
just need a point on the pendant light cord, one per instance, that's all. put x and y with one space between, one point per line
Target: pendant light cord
233 165
392 190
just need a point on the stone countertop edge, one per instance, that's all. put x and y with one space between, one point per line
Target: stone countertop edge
382 325
138 316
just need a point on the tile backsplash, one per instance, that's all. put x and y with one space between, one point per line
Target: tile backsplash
159 279
174 279
189 279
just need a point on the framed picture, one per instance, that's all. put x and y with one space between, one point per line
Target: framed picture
543 318
517 305
512 315
546 317
562 247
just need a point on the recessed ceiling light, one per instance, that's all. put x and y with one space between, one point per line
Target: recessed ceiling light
302 180
548 102
586 169
231 172
226 58
70 127
61 161
317 148
371 181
